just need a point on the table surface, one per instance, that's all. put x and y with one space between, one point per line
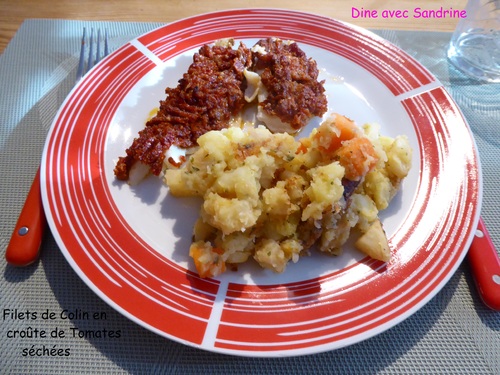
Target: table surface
14 12
453 333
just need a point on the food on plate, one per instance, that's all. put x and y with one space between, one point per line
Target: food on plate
212 95
207 96
272 198
290 94
266 195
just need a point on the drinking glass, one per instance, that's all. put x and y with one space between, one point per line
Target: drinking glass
475 45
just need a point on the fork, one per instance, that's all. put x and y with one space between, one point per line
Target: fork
92 58
24 245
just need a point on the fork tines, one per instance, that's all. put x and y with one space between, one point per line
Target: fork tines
93 56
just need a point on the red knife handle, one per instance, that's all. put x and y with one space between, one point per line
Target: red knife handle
27 236
485 266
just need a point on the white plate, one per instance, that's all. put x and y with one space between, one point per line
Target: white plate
130 245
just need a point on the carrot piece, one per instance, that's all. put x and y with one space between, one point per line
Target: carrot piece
346 129
302 149
207 260
357 156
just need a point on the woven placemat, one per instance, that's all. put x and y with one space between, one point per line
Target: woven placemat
453 334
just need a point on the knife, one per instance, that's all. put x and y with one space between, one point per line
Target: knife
485 265
24 245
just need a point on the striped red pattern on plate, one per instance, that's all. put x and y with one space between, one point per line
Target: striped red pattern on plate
304 315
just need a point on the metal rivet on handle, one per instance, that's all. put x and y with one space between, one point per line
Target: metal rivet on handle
496 279
23 231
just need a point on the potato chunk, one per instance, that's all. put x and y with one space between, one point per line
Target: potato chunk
374 242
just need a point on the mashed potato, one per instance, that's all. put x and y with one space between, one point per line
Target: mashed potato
272 198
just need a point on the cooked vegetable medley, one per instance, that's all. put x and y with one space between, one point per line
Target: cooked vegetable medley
272 198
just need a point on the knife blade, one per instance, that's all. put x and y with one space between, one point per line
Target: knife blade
23 248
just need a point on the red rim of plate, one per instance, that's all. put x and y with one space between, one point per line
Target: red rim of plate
256 320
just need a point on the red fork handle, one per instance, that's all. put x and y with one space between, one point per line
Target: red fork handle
485 266
24 245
